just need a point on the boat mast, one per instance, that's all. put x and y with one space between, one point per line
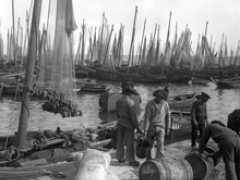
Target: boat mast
142 40
13 30
205 39
31 57
83 43
133 35
168 33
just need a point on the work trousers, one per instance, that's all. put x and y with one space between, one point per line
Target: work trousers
232 165
125 136
195 130
155 133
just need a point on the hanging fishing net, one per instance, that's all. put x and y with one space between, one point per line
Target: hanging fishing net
55 49
55 63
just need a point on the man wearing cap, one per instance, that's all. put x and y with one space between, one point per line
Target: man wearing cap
229 145
127 122
199 116
234 121
157 121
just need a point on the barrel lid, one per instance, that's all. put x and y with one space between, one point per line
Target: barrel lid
149 171
199 166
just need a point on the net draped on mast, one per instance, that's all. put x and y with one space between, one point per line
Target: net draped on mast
56 56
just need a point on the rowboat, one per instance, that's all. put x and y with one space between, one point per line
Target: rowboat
92 87
199 81
182 102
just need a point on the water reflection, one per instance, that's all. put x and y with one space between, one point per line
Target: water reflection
222 102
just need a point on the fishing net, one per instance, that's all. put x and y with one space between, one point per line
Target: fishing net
55 63
183 52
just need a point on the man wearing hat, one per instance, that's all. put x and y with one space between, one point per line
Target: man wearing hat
127 123
229 144
157 121
199 116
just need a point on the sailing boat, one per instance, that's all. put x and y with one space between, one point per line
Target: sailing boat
39 167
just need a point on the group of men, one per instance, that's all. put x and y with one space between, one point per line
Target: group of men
156 122
156 126
227 137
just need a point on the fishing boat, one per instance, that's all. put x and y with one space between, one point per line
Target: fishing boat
11 90
199 81
105 74
93 88
230 83
182 102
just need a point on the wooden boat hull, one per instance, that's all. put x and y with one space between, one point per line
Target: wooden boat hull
199 81
22 173
102 74
229 84
93 89
182 102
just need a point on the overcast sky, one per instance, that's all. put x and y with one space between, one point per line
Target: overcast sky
223 15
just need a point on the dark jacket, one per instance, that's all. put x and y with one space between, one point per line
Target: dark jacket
127 112
227 140
234 121
199 113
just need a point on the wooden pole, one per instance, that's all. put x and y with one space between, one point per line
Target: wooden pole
168 33
83 43
155 32
133 35
144 51
13 24
141 45
31 57
204 39
120 45
100 41
108 44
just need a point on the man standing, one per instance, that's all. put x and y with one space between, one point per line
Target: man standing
229 145
199 116
127 123
234 121
157 121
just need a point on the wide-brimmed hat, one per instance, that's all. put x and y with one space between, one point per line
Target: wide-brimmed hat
128 87
160 93
127 84
203 95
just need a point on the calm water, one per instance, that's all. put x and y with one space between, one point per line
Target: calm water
222 102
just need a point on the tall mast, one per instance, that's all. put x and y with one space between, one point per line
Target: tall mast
133 35
31 56
205 38
13 26
141 45
83 42
168 33
108 44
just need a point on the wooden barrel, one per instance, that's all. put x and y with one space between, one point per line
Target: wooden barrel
165 169
200 167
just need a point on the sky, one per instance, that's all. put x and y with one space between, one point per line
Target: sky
223 16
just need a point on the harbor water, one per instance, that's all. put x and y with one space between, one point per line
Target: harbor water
222 102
